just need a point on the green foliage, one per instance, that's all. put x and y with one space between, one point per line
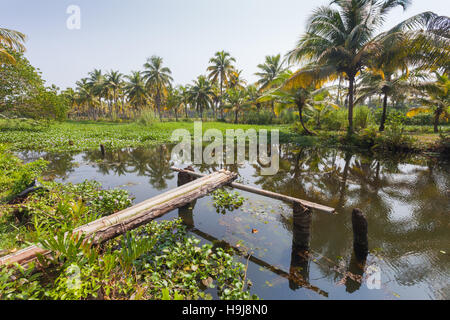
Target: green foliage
16 176
147 118
335 120
17 83
46 103
262 117
363 117
224 200
158 261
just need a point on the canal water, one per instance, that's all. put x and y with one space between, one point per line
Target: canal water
406 200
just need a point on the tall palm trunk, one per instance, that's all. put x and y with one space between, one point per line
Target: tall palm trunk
158 104
437 115
302 122
351 92
221 96
383 116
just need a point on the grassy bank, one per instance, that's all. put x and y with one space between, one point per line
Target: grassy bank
82 136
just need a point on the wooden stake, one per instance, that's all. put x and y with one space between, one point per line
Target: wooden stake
360 234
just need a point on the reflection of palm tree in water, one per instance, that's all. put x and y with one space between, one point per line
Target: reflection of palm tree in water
300 245
158 167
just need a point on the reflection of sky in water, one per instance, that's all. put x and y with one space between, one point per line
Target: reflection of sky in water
406 203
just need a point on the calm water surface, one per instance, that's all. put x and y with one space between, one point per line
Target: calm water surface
406 201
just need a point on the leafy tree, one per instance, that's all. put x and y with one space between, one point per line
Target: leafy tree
17 82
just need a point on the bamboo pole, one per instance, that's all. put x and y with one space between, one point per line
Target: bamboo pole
116 224
273 195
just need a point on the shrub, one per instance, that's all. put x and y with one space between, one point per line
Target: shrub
336 120
147 118
257 117
363 117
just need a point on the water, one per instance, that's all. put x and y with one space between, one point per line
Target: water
406 201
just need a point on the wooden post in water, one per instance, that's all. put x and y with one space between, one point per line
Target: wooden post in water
184 177
102 150
360 235
186 212
301 235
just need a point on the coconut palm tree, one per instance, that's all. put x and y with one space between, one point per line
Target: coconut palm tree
184 98
174 101
201 94
219 71
301 97
236 81
135 90
158 80
338 40
400 50
86 98
433 97
10 40
270 70
237 99
114 84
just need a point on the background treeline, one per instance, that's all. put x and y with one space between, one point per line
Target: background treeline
343 74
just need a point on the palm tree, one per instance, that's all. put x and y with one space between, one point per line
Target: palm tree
71 96
434 97
237 99
10 40
399 51
270 70
135 90
158 80
86 98
301 98
184 98
97 81
201 94
220 68
235 80
338 40
174 101
114 84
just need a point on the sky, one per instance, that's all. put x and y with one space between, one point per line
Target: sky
122 34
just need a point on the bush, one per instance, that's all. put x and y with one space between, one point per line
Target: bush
335 120
147 118
262 117
363 117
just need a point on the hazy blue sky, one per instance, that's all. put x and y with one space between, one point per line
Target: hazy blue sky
121 34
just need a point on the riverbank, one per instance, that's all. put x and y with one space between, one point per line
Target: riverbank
88 135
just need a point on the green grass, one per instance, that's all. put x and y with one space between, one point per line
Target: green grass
85 135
